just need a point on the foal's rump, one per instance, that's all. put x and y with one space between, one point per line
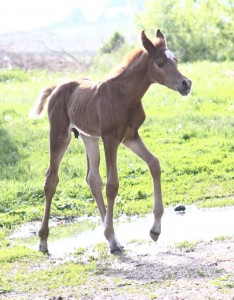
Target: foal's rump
65 89
72 103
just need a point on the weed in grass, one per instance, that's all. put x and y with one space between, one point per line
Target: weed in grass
80 251
5 287
201 273
2 235
139 242
224 282
99 251
222 238
186 245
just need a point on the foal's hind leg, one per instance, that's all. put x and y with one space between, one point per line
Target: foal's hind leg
138 147
59 142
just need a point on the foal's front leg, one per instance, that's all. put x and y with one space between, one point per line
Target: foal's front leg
93 177
138 147
112 185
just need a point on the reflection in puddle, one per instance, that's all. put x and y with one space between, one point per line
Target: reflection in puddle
195 224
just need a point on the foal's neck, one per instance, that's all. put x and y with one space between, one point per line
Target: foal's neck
134 80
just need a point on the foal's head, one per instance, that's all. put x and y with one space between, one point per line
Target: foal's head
163 65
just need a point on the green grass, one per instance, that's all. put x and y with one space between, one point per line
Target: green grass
222 238
188 246
225 282
193 137
24 271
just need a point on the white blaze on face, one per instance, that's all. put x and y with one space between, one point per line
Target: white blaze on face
169 54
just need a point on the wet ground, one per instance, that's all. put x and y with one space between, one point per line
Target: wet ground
195 224
202 269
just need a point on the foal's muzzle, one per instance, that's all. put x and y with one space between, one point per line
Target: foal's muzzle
184 87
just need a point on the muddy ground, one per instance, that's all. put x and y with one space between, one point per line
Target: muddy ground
189 271
196 269
202 270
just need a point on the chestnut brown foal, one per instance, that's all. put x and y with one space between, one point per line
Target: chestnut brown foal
111 110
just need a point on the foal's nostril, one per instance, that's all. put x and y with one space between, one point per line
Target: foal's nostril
184 86
185 83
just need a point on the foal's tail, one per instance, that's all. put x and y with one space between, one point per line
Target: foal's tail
41 101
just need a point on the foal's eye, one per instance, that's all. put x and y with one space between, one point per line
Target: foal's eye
160 65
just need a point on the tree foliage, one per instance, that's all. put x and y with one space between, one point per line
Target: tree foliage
195 29
114 43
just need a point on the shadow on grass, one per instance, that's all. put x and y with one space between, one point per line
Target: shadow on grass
8 150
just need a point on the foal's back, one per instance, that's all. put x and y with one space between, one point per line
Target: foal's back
79 102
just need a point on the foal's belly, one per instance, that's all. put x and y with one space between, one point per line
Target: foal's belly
86 123
83 116
87 130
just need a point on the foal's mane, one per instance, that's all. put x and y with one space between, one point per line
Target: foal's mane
131 57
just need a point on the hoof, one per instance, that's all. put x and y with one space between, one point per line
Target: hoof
43 249
154 235
118 250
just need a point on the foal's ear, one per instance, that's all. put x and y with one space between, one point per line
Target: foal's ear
148 45
160 38
159 34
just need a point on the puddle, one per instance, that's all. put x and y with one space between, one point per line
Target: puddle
195 224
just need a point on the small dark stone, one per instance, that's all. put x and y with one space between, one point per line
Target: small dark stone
180 208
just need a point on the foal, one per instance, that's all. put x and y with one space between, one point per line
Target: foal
111 110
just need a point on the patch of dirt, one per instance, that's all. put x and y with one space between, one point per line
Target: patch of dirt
205 271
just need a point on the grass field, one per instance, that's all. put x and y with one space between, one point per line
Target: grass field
193 137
